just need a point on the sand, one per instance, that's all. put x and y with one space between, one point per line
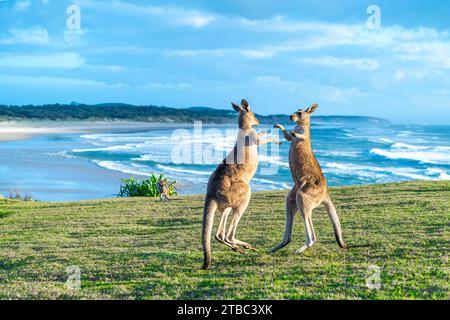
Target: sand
13 131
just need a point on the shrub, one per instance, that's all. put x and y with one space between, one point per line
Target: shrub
16 195
130 188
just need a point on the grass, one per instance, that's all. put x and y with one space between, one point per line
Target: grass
146 249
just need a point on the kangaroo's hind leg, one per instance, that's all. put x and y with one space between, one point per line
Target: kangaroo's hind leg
221 234
306 207
237 245
291 210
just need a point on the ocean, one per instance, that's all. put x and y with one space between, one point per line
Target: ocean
65 167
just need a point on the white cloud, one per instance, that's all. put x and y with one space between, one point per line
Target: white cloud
22 5
331 61
44 81
435 52
67 60
173 15
160 85
36 35
336 94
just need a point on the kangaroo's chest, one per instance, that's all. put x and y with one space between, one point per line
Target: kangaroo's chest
243 159
302 161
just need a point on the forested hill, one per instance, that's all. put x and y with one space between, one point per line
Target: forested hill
126 112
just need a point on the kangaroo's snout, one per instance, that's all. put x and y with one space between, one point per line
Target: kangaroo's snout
294 117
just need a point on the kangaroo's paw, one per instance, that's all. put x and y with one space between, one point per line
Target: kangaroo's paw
304 248
244 245
250 247
238 249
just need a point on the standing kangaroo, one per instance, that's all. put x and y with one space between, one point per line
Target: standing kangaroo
164 190
228 187
310 189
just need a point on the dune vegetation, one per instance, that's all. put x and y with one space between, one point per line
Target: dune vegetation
142 248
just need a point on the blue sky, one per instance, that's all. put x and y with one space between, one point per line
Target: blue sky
279 54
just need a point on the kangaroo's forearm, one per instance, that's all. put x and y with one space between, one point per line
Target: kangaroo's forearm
263 142
286 135
262 135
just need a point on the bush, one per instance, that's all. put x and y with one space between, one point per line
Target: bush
16 195
130 188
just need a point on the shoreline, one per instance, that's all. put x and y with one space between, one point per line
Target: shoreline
18 131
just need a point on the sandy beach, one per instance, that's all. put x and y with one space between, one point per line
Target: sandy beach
13 131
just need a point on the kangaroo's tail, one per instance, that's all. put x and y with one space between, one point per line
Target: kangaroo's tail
336 223
208 219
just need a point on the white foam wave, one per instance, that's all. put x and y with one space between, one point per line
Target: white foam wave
118 166
269 184
273 160
384 173
180 170
126 147
423 154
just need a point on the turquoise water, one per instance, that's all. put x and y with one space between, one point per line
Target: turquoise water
89 166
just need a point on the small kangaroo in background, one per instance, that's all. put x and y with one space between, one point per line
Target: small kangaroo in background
163 188
228 187
310 189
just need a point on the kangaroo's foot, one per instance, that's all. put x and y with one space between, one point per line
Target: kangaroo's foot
237 249
280 246
221 238
242 244
303 249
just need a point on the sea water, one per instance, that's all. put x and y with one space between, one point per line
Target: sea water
89 166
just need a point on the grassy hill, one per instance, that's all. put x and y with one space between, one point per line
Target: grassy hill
127 112
145 249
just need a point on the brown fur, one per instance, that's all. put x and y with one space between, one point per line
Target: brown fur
310 189
228 187
163 188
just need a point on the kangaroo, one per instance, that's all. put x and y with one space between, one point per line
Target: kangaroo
163 188
310 189
228 186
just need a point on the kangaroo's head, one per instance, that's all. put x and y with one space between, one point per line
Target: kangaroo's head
247 118
163 182
303 118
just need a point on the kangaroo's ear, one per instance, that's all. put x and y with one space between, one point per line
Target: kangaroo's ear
236 107
312 108
245 105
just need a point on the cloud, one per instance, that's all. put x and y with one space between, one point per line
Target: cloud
171 86
434 52
22 5
331 61
35 35
66 60
44 81
174 15
336 94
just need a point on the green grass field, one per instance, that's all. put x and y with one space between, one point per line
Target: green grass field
145 249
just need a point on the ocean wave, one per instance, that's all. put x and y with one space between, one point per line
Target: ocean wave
126 147
440 173
63 154
382 140
345 154
118 166
386 173
182 170
423 154
273 185
273 160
